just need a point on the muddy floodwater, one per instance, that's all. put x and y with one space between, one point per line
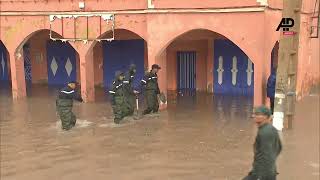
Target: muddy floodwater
199 137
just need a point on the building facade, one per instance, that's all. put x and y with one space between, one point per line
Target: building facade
223 47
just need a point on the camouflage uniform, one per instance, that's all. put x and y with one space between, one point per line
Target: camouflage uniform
120 109
64 104
130 96
150 81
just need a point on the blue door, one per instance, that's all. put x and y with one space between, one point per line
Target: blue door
233 70
118 55
274 56
61 58
27 64
4 75
186 70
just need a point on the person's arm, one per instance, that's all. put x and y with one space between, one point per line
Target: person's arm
279 148
143 82
77 96
112 93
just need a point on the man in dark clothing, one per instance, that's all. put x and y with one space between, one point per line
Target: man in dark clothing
267 147
120 109
271 88
150 82
130 93
64 104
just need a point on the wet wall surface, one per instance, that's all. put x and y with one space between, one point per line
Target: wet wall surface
199 137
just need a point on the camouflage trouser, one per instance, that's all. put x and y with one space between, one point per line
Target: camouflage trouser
152 101
64 109
131 103
120 109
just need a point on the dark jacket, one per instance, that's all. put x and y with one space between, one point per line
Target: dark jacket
117 89
70 94
150 82
267 147
128 83
66 96
271 85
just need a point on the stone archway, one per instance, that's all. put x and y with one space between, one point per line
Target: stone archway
36 51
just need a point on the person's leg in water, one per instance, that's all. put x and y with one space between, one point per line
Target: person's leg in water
117 110
155 103
149 100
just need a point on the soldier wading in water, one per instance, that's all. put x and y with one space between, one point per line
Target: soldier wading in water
150 82
64 104
118 101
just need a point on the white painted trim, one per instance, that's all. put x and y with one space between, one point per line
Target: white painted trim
145 11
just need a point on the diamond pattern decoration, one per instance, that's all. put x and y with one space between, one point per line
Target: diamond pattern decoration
54 66
68 67
2 64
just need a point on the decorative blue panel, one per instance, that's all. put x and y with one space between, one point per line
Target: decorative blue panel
118 55
27 63
233 71
62 67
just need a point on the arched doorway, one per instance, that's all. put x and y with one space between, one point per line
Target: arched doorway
203 60
5 75
274 56
48 63
127 48
4 66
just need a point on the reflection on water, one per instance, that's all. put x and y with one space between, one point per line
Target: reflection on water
199 137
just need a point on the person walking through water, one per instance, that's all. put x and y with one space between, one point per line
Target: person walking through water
150 82
64 104
267 147
118 102
130 93
271 88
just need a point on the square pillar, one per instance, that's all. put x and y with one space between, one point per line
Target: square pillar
259 85
210 67
17 75
87 75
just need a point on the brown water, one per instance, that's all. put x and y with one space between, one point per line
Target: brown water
197 138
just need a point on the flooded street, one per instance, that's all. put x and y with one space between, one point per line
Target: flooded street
198 138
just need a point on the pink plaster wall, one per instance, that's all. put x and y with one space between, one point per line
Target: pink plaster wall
203 3
308 64
38 45
73 5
